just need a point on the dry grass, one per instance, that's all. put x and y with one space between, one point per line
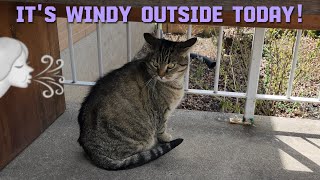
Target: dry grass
275 69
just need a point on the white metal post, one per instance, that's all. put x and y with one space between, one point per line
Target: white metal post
252 87
186 80
219 49
159 31
99 49
128 42
71 51
319 92
294 63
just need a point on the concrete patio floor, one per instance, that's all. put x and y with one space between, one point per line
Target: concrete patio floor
277 148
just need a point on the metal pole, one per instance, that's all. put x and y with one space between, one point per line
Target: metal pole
219 46
256 56
186 87
99 49
159 31
128 41
71 51
294 63
319 92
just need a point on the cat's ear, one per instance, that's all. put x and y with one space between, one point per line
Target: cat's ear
186 46
154 42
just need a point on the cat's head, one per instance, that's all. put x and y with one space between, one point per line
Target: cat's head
168 60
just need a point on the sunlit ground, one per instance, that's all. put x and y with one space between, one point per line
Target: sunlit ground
304 154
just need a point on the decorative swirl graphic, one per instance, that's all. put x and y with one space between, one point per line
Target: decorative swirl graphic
52 77
46 93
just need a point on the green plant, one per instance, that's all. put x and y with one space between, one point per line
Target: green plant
277 61
276 65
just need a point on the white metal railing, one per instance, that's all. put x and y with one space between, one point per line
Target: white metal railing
217 68
71 51
128 41
99 49
254 70
186 87
294 63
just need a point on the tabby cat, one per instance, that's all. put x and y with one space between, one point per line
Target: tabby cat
123 119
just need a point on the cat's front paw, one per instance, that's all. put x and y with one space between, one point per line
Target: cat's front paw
164 137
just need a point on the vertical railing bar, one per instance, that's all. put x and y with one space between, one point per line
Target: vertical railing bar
99 49
159 31
71 51
128 41
186 87
254 71
319 92
294 63
217 69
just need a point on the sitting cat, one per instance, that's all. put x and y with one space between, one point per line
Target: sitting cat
123 119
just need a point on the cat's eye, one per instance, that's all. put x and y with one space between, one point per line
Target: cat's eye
154 64
171 65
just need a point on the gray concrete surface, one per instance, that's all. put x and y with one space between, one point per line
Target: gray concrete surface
277 148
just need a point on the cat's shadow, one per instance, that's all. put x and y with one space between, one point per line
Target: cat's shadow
84 156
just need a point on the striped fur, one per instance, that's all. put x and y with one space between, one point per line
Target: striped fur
123 120
101 160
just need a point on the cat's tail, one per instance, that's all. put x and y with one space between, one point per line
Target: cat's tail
136 159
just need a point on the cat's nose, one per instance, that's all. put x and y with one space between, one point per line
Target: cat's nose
161 73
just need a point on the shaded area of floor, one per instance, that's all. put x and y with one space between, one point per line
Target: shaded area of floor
277 148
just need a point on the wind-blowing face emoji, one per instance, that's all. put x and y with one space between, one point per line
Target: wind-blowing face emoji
13 68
